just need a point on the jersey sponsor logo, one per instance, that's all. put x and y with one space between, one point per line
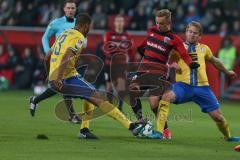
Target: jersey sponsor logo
154 45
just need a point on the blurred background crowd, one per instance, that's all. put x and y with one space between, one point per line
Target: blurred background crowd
217 16
22 67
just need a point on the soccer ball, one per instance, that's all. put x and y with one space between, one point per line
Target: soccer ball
146 130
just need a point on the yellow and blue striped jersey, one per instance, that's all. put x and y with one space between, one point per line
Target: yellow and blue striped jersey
196 77
69 39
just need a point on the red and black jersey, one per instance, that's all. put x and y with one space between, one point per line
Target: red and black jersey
158 45
118 43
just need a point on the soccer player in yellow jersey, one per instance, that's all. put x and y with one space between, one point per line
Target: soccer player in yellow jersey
56 27
192 84
64 78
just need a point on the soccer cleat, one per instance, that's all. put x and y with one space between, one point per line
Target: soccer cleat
167 134
233 139
75 119
136 128
155 135
33 106
85 133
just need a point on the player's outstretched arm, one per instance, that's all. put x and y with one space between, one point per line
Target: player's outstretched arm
219 65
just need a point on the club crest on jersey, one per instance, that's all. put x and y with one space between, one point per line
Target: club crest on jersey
166 39
79 44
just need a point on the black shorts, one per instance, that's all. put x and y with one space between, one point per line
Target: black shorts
155 84
113 72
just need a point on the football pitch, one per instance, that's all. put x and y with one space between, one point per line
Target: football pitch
195 136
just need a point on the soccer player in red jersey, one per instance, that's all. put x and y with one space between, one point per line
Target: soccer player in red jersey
118 52
156 48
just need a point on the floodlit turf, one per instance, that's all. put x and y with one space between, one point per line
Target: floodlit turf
195 136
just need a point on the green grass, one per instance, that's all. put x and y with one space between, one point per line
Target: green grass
196 138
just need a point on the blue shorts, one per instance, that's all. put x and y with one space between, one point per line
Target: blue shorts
77 87
202 95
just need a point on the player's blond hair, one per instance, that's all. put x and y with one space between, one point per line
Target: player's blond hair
197 25
164 13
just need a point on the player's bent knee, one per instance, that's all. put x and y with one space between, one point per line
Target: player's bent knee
169 96
217 116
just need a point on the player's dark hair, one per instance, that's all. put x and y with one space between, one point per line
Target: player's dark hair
197 25
83 18
68 1
164 13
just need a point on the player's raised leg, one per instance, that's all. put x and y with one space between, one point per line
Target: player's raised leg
34 100
78 87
